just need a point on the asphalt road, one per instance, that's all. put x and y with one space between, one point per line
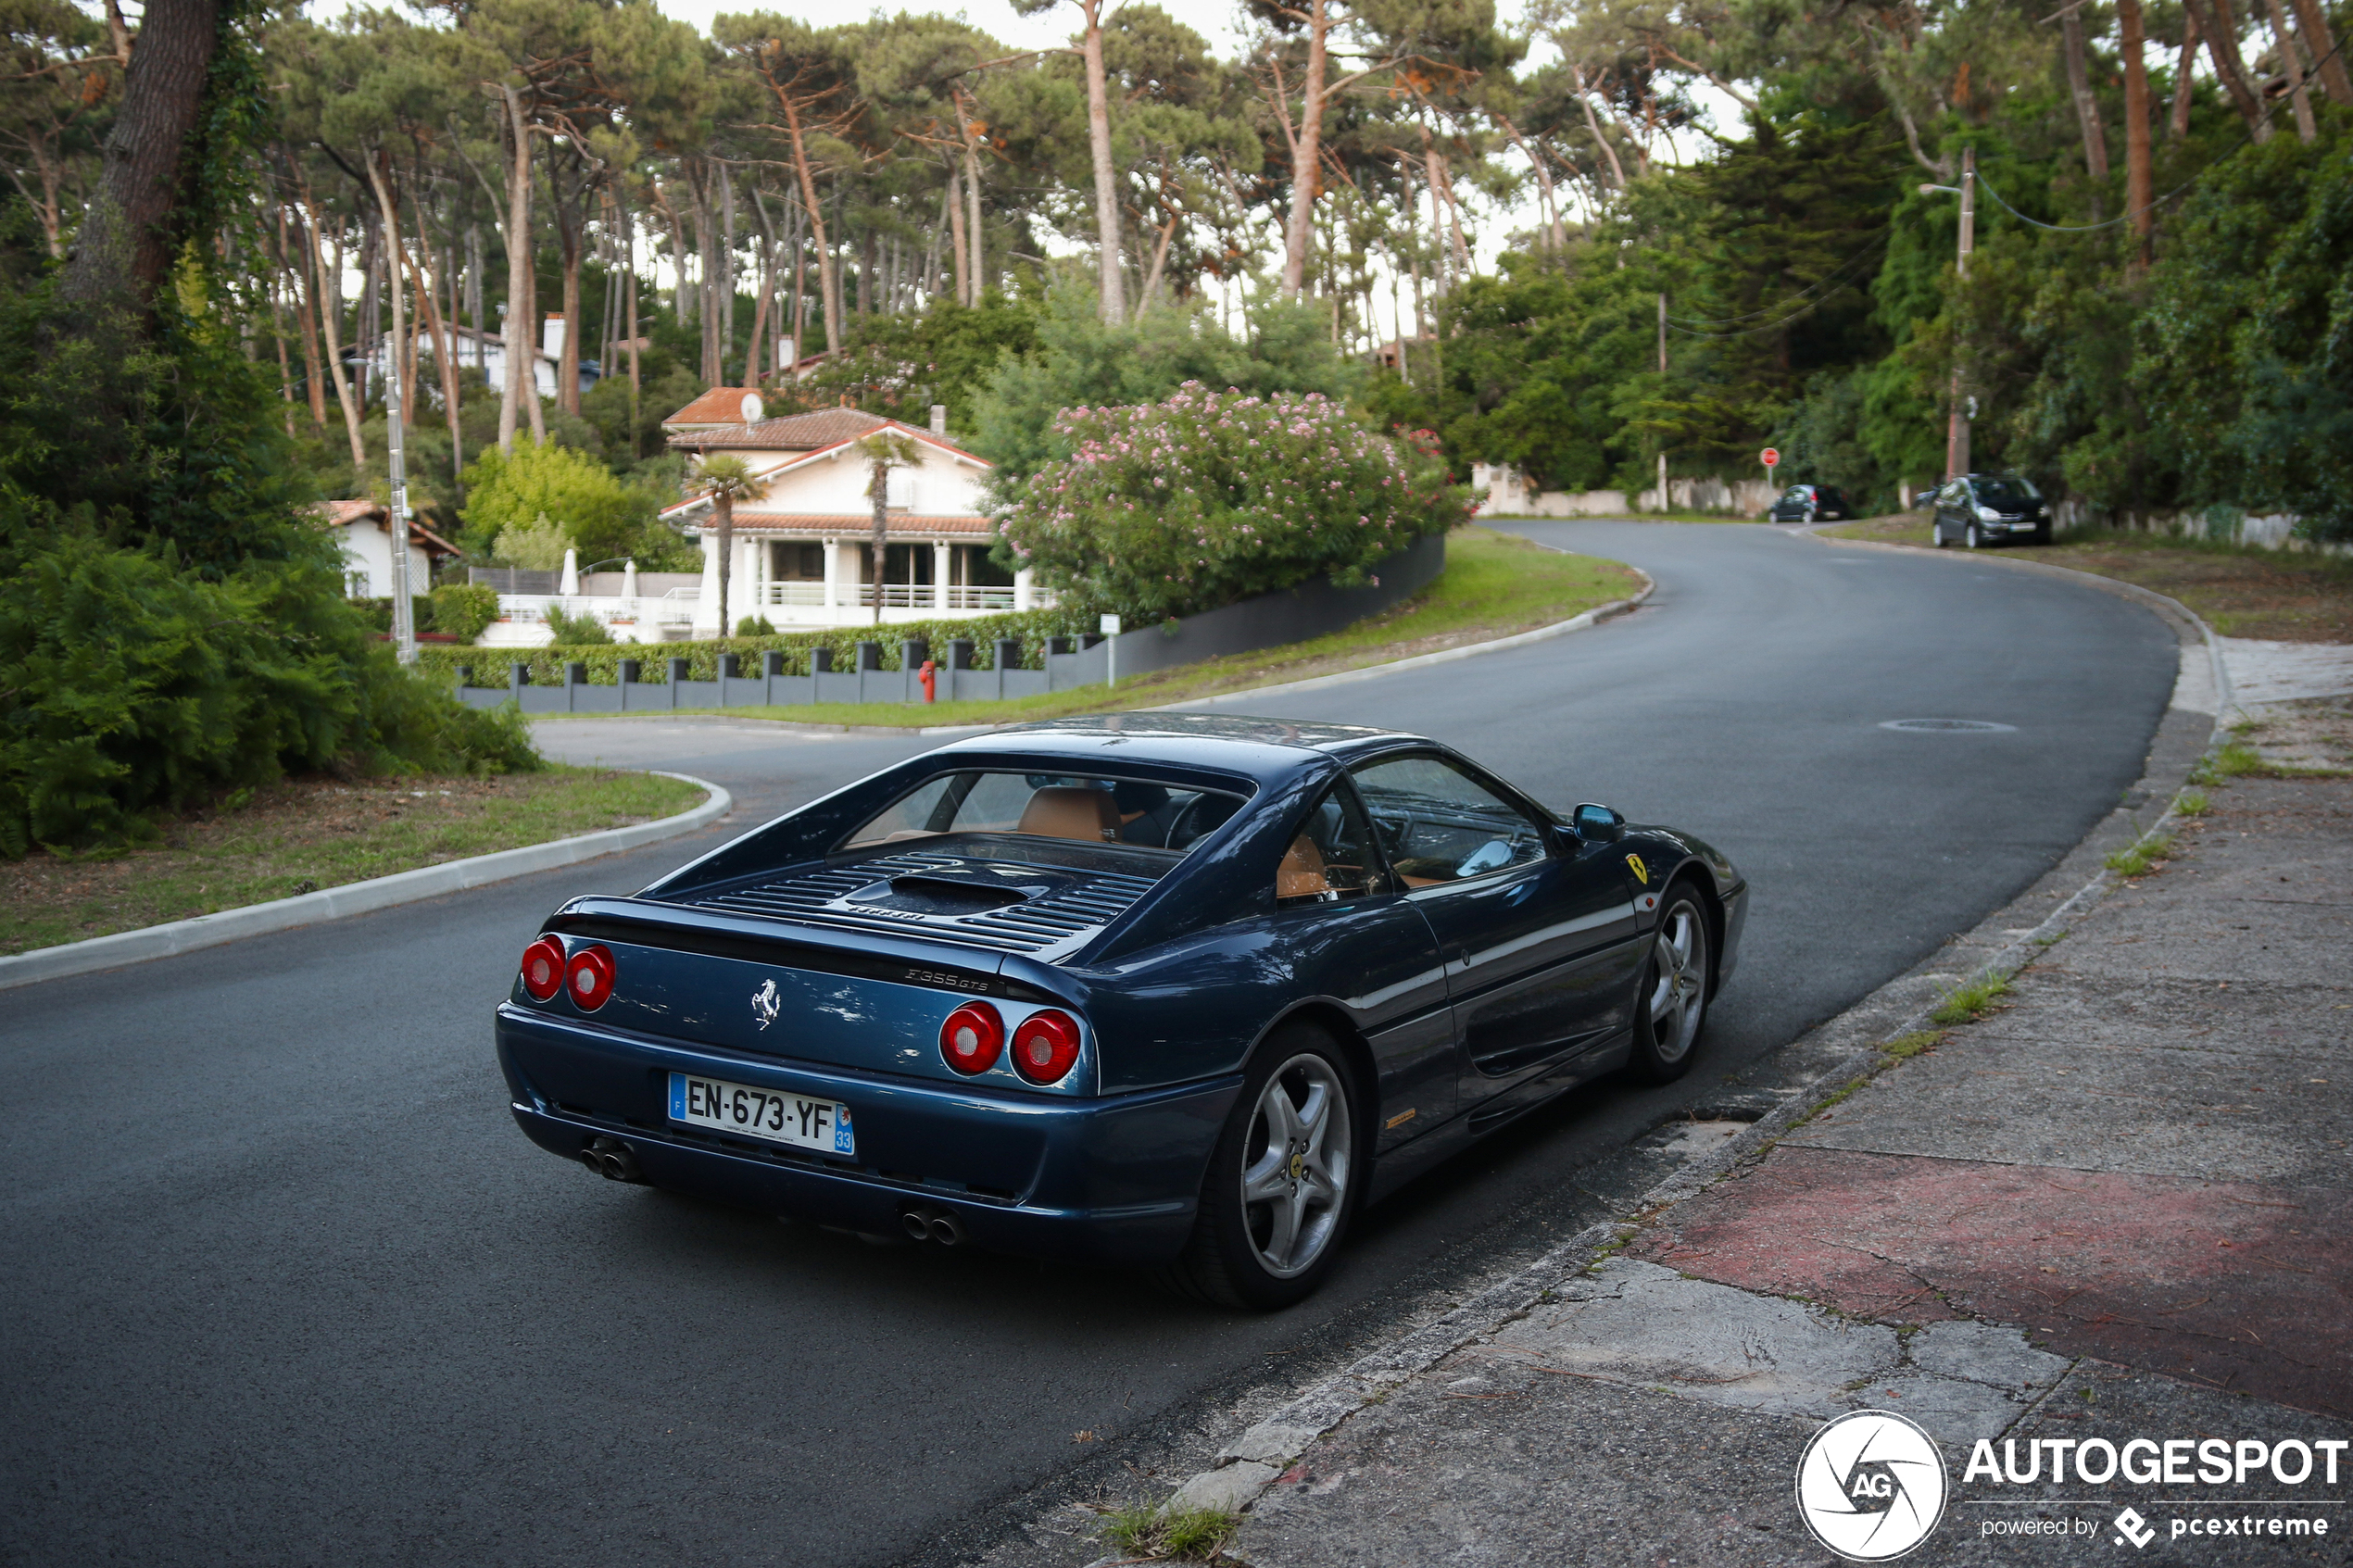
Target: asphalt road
284 1285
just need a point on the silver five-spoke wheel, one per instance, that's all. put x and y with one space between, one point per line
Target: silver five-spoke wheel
1296 1165
1673 1001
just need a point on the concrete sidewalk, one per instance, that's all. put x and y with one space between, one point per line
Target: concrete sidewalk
2114 1207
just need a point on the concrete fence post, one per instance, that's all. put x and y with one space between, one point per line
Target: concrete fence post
677 676
1008 657
575 677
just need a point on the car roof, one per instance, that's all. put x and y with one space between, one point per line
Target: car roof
1264 750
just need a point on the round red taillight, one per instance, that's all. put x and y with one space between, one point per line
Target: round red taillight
590 977
543 969
1045 1044
971 1038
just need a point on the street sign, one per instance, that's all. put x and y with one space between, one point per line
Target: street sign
1770 457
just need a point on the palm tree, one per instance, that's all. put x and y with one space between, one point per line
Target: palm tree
885 450
725 478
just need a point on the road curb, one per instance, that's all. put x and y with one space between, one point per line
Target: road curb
352 898
1252 1461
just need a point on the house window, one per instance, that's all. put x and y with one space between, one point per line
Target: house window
790 561
969 567
901 563
898 488
355 584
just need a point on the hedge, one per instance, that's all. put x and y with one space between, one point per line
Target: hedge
1031 628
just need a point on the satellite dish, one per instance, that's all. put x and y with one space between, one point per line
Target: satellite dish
753 408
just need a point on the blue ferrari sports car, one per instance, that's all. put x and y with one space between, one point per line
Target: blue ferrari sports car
1171 990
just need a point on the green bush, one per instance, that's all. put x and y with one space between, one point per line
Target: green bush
576 631
462 609
1175 507
1030 628
129 686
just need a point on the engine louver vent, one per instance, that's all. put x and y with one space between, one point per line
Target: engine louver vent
1044 928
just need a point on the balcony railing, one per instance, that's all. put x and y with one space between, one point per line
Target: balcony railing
970 599
781 595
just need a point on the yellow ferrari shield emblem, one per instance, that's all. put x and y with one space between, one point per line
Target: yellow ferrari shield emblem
1642 872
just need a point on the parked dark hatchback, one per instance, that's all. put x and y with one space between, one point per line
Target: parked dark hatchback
1174 990
1810 503
1985 508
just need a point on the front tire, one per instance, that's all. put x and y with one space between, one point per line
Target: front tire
1973 539
1283 1182
1670 1006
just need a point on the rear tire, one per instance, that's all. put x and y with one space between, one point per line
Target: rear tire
1936 532
1671 1005
1283 1182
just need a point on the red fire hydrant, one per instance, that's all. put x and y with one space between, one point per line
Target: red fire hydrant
928 673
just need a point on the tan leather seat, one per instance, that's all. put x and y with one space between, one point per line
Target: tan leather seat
1069 812
1301 873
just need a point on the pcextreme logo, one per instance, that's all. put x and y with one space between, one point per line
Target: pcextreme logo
1871 1485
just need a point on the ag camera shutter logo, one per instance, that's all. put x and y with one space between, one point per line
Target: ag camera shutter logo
1871 1485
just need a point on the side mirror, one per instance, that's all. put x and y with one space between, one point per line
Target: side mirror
1598 824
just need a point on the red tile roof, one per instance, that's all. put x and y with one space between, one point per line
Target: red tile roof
339 514
803 433
720 405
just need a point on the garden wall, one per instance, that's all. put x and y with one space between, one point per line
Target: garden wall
605 679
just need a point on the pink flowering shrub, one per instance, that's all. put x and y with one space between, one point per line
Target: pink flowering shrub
1174 508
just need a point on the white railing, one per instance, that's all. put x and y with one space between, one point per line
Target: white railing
971 598
899 596
784 593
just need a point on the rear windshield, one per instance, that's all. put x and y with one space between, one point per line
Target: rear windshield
1140 812
2011 492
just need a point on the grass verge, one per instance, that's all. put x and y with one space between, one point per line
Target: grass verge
1494 585
2141 856
1148 1534
300 836
1967 1004
2240 590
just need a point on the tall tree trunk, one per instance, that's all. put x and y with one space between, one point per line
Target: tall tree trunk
2179 125
1616 169
866 273
2307 132
444 353
389 214
1307 153
2138 182
2079 85
2314 24
520 382
2222 46
127 241
956 236
285 369
828 284
1108 254
878 487
329 298
972 220
314 378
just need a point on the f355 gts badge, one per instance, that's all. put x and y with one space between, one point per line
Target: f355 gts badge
766 1001
1642 872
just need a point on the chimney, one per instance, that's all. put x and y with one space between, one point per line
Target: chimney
939 419
551 337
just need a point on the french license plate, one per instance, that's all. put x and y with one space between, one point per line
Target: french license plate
821 1125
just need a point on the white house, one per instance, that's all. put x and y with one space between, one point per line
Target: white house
803 550
364 529
488 350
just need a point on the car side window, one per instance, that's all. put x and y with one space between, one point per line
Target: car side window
1331 859
1441 825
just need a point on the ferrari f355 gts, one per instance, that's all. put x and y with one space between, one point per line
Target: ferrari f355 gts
1174 991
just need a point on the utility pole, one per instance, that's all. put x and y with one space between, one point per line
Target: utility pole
1956 418
1662 505
404 619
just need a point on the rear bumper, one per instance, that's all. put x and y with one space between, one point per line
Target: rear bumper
1110 1180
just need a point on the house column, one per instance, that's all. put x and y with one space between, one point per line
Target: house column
943 558
1024 598
710 614
833 570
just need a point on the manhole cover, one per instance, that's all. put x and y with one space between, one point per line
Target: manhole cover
1943 726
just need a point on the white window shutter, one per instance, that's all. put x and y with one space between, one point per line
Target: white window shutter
898 488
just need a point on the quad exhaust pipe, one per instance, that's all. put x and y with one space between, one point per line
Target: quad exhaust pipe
931 1224
612 1159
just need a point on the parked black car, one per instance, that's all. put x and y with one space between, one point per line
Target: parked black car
1985 508
1810 503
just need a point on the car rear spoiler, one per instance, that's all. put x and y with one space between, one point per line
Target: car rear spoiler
907 960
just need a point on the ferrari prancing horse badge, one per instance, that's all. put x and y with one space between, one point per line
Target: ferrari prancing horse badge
1642 872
